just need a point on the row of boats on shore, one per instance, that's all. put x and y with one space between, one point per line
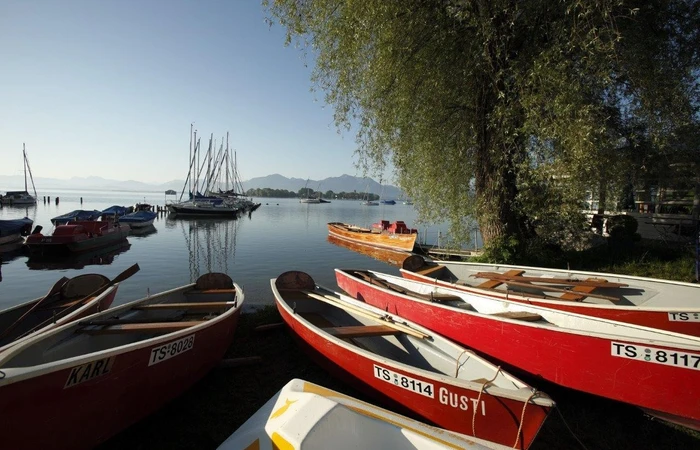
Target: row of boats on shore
443 352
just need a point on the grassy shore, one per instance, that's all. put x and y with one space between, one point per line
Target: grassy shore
207 414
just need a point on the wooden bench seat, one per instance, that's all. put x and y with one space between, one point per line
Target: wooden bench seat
520 315
430 270
159 327
211 291
355 331
194 305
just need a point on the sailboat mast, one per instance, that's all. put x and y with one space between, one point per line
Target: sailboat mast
24 155
226 165
190 160
28 167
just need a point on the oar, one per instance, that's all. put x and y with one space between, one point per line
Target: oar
55 289
368 314
118 279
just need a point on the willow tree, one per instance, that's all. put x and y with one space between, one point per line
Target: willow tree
498 110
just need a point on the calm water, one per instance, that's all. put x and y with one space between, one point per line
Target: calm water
281 235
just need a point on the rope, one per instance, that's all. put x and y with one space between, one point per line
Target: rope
522 417
457 362
568 428
481 390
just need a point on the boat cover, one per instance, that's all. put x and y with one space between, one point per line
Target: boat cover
117 210
78 214
138 216
14 226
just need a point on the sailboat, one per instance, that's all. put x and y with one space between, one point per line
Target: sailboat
366 200
21 197
309 198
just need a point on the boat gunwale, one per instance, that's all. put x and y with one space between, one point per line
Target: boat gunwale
17 374
688 342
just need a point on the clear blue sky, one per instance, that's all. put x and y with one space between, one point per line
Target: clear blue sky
109 88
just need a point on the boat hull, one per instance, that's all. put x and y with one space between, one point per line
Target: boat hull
605 365
79 242
668 313
395 241
84 401
448 405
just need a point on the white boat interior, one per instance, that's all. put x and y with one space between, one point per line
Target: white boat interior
515 311
122 328
622 290
306 416
354 325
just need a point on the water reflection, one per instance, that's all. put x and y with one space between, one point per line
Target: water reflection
102 256
211 243
143 231
391 257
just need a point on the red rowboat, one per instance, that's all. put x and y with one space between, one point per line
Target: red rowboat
396 236
409 366
658 371
662 304
77 236
75 386
67 300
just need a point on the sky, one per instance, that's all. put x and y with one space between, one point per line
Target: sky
110 87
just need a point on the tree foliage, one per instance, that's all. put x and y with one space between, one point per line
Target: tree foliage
500 110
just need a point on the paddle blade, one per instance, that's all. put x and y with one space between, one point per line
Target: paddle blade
295 280
126 274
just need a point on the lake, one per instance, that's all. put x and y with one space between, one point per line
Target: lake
281 235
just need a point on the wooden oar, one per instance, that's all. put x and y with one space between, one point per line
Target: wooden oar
553 289
56 288
367 314
589 282
118 279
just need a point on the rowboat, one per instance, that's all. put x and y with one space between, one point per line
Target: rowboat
408 366
396 236
12 230
663 304
656 370
75 386
306 416
77 236
139 219
66 301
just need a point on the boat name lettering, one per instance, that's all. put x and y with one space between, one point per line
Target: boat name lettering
85 372
460 401
410 384
167 351
656 355
684 317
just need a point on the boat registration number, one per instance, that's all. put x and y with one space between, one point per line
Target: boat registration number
171 349
684 317
656 355
410 384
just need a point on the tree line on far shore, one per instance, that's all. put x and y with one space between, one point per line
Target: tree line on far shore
306 192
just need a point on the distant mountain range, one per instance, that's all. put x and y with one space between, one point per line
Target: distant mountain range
343 183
